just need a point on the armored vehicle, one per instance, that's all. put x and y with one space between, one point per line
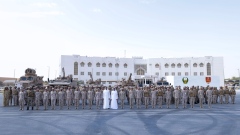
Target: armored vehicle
30 79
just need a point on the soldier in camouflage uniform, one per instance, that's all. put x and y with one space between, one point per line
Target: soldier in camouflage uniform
160 97
221 95
61 98
37 98
176 94
15 95
131 97
98 98
21 100
138 97
209 95
192 97
185 94
5 97
30 98
76 98
201 97
90 98
154 97
168 97
232 95
122 96
215 94
146 96
83 97
45 99
226 94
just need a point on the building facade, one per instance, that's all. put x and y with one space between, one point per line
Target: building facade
112 69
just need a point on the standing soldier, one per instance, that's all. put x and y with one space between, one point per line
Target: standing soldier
69 97
176 94
215 93
15 96
146 96
168 97
154 97
226 92
98 98
90 98
122 96
84 97
185 94
5 96
21 100
37 98
30 97
76 98
160 97
201 97
131 97
41 97
209 96
221 94
45 99
192 97
10 96
232 95
57 98
53 98
49 96
61 98
139 97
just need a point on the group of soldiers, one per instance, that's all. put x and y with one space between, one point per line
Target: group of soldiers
133 96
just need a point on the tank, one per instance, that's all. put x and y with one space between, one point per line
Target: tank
63 81
30 79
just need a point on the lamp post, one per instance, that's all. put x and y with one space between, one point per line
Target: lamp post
14 73
239 78
48 71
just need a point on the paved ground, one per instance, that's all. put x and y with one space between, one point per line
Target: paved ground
220 119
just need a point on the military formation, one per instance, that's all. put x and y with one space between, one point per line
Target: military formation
136 97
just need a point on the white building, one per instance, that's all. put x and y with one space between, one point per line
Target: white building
112 69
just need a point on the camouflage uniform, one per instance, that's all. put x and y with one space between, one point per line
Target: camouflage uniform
15 96
122 96
98 97
232 95
226 93
160 97
90 98
138 97
131 98
30 97
221 95
192 97
168 97
201 97
21 100
176 94
154 98
83 97
146 96
45 99
37 99
209 96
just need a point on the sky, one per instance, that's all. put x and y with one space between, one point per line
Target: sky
35 33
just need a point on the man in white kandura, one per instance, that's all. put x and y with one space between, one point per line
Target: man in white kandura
114 97
106 98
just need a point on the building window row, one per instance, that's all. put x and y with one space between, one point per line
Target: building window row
82 64
104 73
180 65
185 74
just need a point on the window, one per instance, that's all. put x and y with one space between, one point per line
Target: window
186 73
110 82
89 73
82 73
82 64
166 74
116 73
166 65
125 65
75 79
195 73
110 73
140 72
179 65
116 65
75 68
208 69
98 73
195 65
201 74
179 73
156 65
173 73
103 82
103 73
104 65
110 65
157 73
186 65
201 64
173 65
98 64
125 73
89 64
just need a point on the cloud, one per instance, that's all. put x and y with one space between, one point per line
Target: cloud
147 1
97 10
44 5
31 14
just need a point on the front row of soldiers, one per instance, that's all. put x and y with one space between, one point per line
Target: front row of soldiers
69 96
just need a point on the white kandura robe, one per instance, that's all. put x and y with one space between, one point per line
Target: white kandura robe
114 97
106 97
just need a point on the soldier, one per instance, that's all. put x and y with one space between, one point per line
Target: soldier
41 97
98 98
138 97
84 97
69 97
168 97
30 97
146 96
10 96
45 99
21 100
185 94
37 98
176 94
154 97
49 96
232 95
226 93
5 96
192 97
201 97
131 97
160 97
122 96
209 96
215 93
15 95
53 98
90 98
76 98
61 98
221 94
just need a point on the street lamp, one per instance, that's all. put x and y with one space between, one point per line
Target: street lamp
48 71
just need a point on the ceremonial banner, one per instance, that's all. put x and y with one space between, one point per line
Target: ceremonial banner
185 80
208 80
